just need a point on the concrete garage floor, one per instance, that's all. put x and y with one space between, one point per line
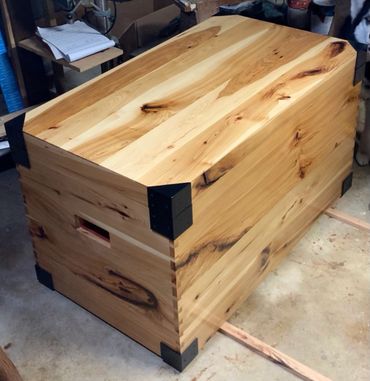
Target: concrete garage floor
315 308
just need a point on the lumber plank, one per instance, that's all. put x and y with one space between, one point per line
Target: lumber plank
75 179
65 107
127 318
8 371
149 113
271 353
93 142
348 219
179 130
278 97
280 168
138 284
213 297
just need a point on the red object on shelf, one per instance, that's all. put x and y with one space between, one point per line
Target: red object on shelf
299 4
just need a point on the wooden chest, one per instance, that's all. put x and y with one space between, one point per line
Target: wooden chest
161 193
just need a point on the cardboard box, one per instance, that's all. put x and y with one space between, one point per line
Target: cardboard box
139 22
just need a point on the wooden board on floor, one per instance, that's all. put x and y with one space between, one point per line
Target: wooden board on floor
8 371
277 357
348 219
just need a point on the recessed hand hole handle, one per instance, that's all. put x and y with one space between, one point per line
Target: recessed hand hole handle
93 231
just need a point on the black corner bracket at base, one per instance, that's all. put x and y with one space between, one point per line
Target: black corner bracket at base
44 277
346 184
177 360
14 133
170 209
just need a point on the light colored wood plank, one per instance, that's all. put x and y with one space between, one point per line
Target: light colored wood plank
212 298
210 154
272 354
144 117
61 160
54 112
186 126
159 105
35 45
348 219
226 98
61 230
127 318
121 201
299 143
8 371
107 120
138 284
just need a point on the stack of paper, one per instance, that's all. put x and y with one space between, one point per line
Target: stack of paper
74 41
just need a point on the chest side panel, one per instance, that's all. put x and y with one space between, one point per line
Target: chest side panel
282 166
91 232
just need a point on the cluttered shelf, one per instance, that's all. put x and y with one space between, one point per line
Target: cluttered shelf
34 45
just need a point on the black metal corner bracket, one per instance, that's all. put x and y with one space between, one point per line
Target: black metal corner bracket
360 60
44 277
177 360
170 209
14 132
346 184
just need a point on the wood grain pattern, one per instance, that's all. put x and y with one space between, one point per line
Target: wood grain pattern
122 202
8 371
138 282
300 143
160 106
258 118
219 292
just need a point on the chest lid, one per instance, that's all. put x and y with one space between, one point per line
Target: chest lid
178 110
